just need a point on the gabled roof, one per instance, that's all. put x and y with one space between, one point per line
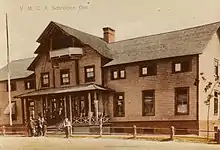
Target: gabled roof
171 44
18 69
95 42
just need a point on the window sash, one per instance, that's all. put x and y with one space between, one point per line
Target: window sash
148 102
182 100
119 105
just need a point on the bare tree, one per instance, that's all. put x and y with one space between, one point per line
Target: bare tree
209 89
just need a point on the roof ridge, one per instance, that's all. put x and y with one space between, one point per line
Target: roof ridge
80 31
166 32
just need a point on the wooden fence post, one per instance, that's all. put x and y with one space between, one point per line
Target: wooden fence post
172 132
3 130
135 131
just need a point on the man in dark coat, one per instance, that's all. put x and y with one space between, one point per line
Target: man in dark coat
31 127
44 126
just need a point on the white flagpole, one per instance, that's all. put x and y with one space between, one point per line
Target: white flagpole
8 69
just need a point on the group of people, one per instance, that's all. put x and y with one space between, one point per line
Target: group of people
37 127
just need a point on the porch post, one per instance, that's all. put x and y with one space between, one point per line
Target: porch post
71 113
96 106
65 99
90 109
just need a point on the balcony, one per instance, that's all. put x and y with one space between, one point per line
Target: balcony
66 52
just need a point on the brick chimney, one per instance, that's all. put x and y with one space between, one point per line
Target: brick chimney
108 34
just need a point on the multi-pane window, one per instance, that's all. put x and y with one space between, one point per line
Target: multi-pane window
148 102
118 74
29 84
215 103
45 81
119 105
182 101
64 76
14 111
13 86
148 70
216 63
90 74
181 66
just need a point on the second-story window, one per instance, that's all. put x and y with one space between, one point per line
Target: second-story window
90 73
64 77
181 66
13 86
148 70
45 79
118 74
216 63
29 84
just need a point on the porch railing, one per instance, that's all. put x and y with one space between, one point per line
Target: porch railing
85 120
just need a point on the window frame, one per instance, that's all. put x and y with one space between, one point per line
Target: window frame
42 84
216 105
176 101
14 116
148 65
216 70
31 81
181 62
89 79
143 104
11 83
116 99
118 70
62 72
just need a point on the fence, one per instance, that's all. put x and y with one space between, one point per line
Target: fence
132 131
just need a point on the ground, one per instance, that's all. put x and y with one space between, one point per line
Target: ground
58 143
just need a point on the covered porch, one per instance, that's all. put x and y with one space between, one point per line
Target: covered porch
82 104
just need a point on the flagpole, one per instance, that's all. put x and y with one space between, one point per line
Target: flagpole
8 69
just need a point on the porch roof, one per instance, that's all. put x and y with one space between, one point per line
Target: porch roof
59 90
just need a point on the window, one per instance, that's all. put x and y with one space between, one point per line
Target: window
64 76
90 73
119 105
215 103
14 110
29 84
13 86
148 100
181 66
148 70
118 74
216 63
182 101
45 81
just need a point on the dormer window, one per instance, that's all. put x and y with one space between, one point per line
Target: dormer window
64 76
29 84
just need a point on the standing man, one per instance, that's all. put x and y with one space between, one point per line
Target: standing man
39 126
31 126
67 126
44 126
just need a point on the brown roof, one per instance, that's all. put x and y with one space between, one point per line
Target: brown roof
18 69
58 90
171 44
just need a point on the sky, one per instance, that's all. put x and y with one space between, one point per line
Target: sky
130 18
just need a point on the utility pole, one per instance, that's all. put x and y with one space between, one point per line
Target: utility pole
8 70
